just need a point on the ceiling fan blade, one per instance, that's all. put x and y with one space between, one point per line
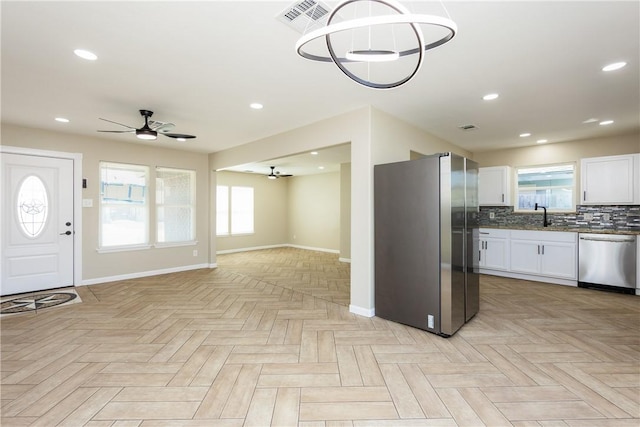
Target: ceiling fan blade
177 135
284 175
111 121
118 131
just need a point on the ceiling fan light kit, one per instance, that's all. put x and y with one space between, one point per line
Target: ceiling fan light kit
146 132
372 55
276 174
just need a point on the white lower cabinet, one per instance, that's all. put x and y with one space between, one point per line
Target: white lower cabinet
539 255
559 260
494 249
525 257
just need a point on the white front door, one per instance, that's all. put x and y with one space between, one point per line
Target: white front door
37 223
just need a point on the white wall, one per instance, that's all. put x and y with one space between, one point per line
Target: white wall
351 127
376 137
97 267
314 211
345 211
570 151
561 152
270 211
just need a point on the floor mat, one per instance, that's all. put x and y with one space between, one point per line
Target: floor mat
37 301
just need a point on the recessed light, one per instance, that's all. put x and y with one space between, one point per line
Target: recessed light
181 139
614 66
314 153
606 122
524 135
256 106
490 96
591 120
85 54
320 167
541 141
62 120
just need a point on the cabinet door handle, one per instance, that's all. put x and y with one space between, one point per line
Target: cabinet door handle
542 249
479 256
538 249
584 195
486 245
502 197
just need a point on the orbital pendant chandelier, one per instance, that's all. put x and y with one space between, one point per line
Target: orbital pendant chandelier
365 57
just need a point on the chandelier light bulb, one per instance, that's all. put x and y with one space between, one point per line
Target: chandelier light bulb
372 55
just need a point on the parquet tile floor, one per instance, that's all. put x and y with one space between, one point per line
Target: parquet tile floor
228 347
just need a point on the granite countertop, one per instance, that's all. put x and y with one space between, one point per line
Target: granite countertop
558 228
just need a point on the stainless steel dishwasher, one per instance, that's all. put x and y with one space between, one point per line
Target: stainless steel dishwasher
607 262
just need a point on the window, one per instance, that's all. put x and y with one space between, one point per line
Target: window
234 210
222 210
124 209
175 205
550 186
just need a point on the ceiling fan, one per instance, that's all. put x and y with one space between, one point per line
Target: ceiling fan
150 129
276 174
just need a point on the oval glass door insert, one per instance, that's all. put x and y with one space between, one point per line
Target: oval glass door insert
33 206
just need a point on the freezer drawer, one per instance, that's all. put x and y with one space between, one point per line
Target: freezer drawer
608 260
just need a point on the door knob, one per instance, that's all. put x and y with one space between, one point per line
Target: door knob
67 224
68 233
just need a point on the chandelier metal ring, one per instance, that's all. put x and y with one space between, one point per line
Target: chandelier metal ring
403 17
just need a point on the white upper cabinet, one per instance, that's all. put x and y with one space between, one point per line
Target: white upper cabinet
610 180
494 186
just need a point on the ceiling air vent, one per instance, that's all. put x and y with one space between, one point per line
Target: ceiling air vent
305 15
468 127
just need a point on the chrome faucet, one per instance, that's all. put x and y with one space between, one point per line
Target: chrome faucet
544 217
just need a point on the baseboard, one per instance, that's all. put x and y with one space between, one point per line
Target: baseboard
531 277
309 248
366 312
142 274
252 248
284 245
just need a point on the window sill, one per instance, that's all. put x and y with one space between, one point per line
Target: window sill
540 212
235 235
123 249
175 244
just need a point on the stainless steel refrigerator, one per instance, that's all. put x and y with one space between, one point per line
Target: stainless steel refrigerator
426 242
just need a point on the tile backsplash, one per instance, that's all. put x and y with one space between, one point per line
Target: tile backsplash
586 218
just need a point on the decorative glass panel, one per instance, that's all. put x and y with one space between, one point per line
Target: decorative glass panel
33 206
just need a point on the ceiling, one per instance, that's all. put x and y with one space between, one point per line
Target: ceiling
200 64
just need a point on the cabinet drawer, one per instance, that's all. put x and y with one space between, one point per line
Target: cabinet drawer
548 236
494 233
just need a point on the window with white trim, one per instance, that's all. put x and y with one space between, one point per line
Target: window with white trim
124 205
234 210
175 205
551 186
